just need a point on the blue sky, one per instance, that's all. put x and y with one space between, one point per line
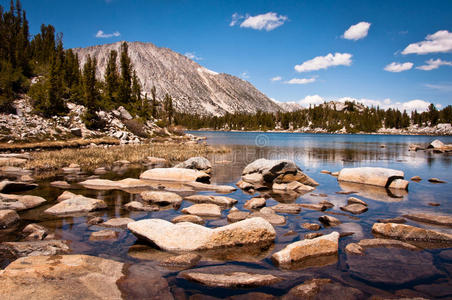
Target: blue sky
308 48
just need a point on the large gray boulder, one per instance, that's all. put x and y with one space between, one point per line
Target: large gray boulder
275 171
105 184
190 237
20 202
175 174
76 205
374 176
196 163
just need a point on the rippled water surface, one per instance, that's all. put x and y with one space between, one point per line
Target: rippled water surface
429 271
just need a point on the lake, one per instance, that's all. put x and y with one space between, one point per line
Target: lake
388 272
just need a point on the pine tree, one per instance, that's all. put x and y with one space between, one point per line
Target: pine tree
111 78
91 95
125 89
154 103
168 106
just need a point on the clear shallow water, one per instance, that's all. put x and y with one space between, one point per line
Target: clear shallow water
312 153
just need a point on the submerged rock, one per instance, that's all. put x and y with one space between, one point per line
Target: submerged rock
188 218
203 210
60 277
103 235
444 220
222 189
35 232
118 222
255 203
233 279
329 220
190 237
317 206
60 184
135 205
105 184
20 202
35 248
219 200
269 216
185 261
326 245
310 226
359 248
77 204
293 208
175 174
161 198
7 186
410 233
355 208
237 216
398 220
436 180
373 176
323 289
8 217
275 171
196 163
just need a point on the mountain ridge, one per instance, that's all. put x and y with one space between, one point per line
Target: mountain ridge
193 87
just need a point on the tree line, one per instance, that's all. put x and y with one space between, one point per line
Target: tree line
52 76
353 118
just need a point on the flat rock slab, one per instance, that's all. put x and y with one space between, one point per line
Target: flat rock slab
7 186
329 220
188 218
369 175
318 206
175 174
135 205
75 205
353 200
189 237
219 200
392 266
118 222
355 208
222 189
203 210
188 260
323 288
443 220
310 226
103 235
326 245
287 208
359 248
411 233
60 184
272 218
161 198
105 184
255 203
20 202
232 280
237 216
74 276
35 248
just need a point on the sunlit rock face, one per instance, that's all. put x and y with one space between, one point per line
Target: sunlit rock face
193 88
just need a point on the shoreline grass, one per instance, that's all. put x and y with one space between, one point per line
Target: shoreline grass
61 144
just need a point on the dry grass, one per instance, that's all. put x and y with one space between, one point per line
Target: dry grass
91 158
76 143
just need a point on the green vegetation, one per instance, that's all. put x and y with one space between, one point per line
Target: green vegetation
354 118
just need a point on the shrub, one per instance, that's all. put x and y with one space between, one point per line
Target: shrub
136 127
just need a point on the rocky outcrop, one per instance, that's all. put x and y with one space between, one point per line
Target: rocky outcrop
232 280
266 171
175 174
76 205
190 237
374 176
162 198
411 233
219 200
326 245
74 276
20 202
196 163
193 88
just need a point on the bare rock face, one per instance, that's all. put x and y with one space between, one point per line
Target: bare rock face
410 233
161 198
190 237
374 176
267 171
233 279
219 200
77 276
175 174
203 210
325 245
196 163
192 87
75 205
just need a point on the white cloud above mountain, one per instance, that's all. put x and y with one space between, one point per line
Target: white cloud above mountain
102 35
324 62
357 31
439 42
396 67
268 21
276 78
301 80
433 64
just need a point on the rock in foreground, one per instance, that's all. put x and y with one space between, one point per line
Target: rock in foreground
234 279
190 237
373 176
75 205
20 202
326 245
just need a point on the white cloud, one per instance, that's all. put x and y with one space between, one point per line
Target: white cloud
276 78
416 104
245 75
323 62
268 21
432 64
440 41
398 67
103 35
301 80
440 87
192 56
357 31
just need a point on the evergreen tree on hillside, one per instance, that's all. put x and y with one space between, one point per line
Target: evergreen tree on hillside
154 103
112 78
91 95
168 107
125 84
